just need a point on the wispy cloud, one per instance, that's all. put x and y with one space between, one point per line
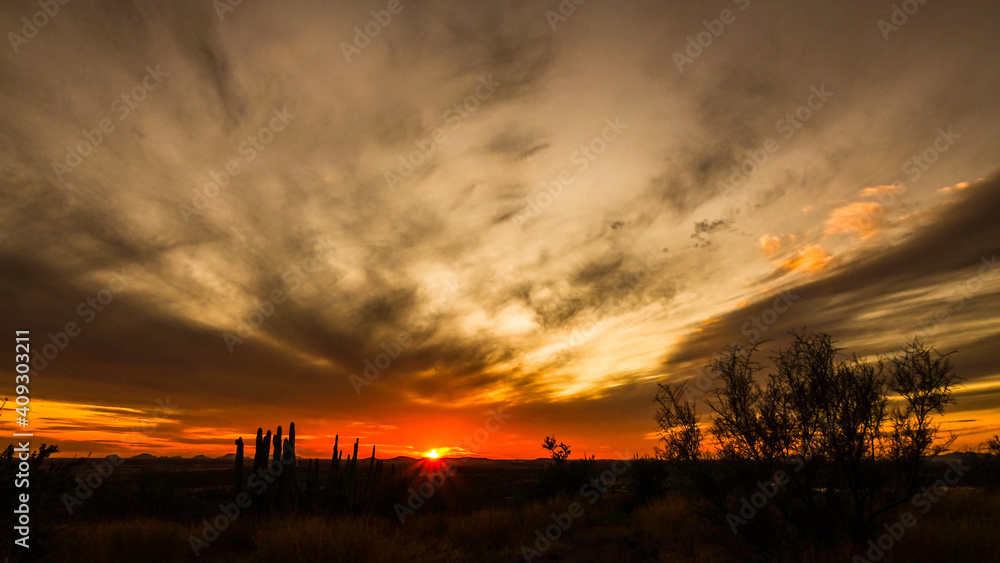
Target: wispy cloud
582 267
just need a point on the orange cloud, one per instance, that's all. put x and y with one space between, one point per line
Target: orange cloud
865 219
769 244
876 190
957 187
811 258
120 430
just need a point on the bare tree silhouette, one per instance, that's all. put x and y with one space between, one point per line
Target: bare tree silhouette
834 442
559 452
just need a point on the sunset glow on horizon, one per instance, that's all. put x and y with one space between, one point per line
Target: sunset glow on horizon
484 226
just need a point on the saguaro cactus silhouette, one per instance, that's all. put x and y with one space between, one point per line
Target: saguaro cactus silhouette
239 465
262 451
345 490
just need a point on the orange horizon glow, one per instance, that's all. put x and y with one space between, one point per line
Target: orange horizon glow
481 232
103 430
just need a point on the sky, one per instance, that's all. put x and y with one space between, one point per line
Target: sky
469 226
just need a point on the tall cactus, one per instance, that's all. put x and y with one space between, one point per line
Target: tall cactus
334 490
263 452
256 449
346 489
371 484
335 461
352 476
266 444
239 466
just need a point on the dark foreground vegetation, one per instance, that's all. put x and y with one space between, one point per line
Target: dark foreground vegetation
152 518
827 458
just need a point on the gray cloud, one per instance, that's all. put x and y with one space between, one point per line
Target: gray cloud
493 311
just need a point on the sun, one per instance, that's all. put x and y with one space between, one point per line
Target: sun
433 454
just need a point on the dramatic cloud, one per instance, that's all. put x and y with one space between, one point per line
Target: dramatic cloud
271 213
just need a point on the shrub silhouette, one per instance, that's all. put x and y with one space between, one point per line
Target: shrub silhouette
990 460
563 476
559 452
822 439
48 480
647 478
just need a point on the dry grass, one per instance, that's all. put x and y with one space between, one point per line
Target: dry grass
318 539
961 527
678 533
146 540
492 528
